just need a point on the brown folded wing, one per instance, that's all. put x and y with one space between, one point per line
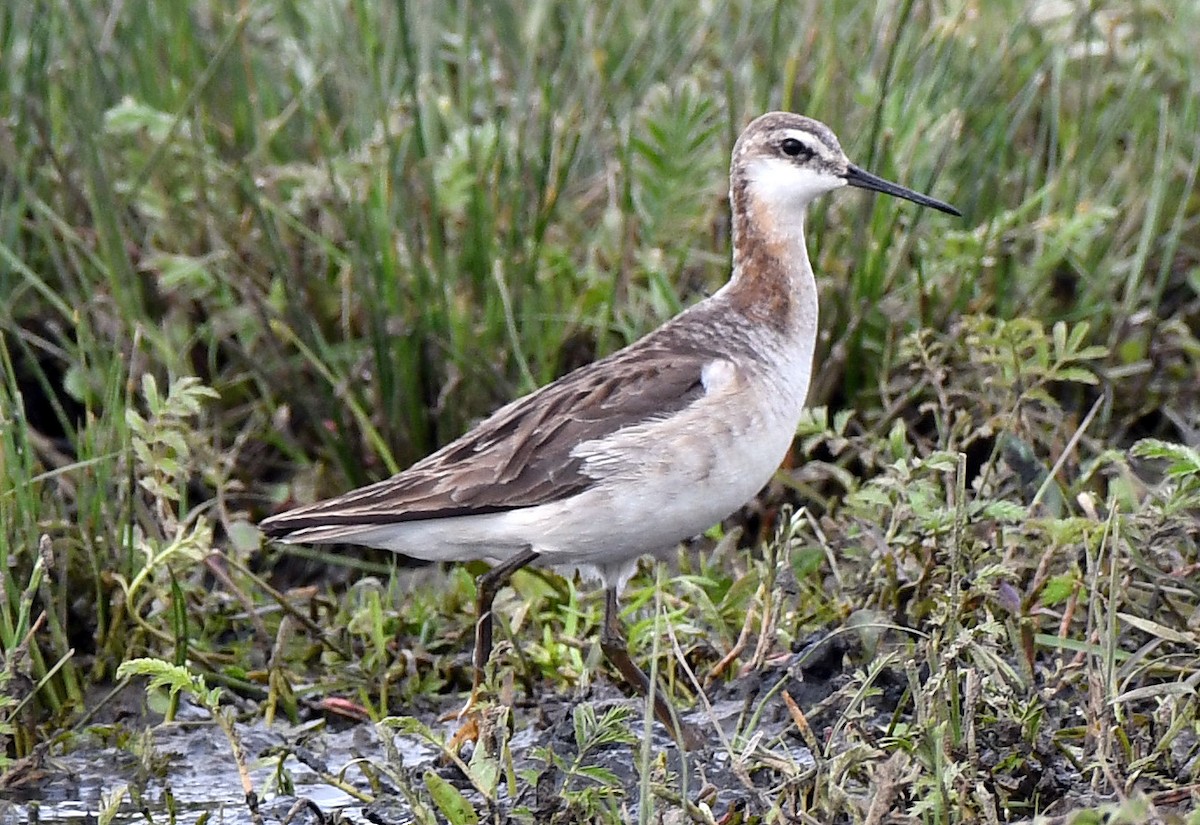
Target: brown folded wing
521 455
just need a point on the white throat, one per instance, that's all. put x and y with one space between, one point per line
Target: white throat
785 189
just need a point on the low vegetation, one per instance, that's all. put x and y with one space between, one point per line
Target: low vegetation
255 254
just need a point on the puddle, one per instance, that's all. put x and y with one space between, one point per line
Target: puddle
188 769
183 771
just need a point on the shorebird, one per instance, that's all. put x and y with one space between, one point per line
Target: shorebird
633 453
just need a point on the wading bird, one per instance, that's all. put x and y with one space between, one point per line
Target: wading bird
635 452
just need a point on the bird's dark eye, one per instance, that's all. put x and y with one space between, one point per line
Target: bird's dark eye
795 148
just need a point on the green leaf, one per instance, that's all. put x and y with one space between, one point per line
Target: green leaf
584 721
135 422
600 775
173 677
485 769
739 594
1078 375
150 392
1091 353
1182 460
181 272
840 420
244 535
807 561
870 496
129 117
1005 511
1057 590
898 440
408 726
941 460
1079 332
450 801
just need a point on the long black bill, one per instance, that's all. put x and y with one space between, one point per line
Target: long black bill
865 180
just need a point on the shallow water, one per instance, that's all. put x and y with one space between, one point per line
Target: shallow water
189 769
193 772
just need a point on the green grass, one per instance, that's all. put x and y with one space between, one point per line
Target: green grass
255 254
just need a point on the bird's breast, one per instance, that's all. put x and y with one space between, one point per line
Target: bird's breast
695 467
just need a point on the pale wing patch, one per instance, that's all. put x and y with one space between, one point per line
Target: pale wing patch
717 376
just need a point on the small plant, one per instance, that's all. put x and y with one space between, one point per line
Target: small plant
588 791
177 679
164 442
1182 471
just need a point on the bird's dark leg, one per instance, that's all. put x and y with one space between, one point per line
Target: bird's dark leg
612 642
487 586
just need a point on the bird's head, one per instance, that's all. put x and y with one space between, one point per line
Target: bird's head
785 161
